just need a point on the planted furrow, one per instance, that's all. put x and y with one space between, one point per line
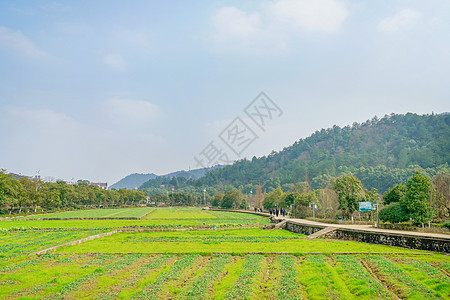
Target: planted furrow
28 263
204 282
289 287
361 278
398 278
117 265
143 269
152 290
241 287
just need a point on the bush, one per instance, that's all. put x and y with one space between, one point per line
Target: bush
394 213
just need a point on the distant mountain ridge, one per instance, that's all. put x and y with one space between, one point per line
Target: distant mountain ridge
135 180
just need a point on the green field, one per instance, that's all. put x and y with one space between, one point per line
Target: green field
190 259
97 213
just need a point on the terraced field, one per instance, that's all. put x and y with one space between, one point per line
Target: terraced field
199 261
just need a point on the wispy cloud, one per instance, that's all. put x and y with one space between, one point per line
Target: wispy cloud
115 62
15 40
317 15
233 22
404 20
128 111
273 25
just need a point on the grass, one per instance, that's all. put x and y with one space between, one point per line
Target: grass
97 213
131 264
227 241
161 218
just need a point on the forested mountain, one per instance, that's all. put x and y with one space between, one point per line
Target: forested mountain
381 152
136 180
132 181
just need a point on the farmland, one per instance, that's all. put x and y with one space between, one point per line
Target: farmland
98 213
177 253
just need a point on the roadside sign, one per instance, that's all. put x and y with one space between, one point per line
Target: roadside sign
365 206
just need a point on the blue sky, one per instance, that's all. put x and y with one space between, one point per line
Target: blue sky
101 89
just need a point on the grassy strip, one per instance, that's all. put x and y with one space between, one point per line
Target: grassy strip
28 263
226 241
117 265
242 286
320 280
151 291
144 274
289 288
96 213
398 279
204 282
427 275
360 282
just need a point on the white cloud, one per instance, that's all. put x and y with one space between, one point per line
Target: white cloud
232 22
115 61
270 29
17 41
136 39
310 15
403 21
127 111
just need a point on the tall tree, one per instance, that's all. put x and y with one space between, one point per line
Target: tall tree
441 196
259 197
350 191
417 198
10 189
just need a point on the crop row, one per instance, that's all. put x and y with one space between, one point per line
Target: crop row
197 277
151 291
241 288
360 278
96 213
397 277
13 244
213 239
205 281
117 265
289 287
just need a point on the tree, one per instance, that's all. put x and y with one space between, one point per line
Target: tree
233 199
372 196
394 213
441 196
417 198
10 190
216 200
350 191
273 199
259 197
394 194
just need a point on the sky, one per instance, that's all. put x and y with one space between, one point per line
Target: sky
100 89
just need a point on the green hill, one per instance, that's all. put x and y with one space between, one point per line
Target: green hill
381 152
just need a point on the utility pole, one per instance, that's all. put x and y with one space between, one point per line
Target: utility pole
314 211
204 196
378 218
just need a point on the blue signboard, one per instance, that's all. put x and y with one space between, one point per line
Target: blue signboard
365 206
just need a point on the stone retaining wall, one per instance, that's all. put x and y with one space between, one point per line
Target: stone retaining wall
381 238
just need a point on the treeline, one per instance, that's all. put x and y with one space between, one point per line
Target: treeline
419 200
25 194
